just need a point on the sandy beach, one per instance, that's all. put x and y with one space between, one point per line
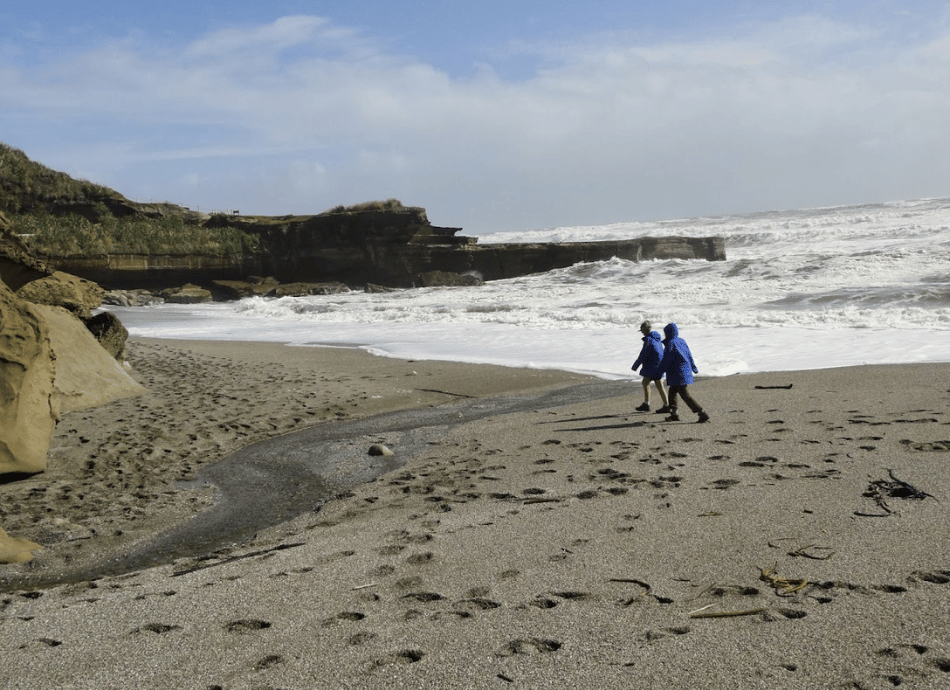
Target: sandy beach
530 530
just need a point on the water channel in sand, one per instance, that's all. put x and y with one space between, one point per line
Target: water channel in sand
276 480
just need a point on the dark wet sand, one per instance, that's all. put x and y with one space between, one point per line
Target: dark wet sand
573 544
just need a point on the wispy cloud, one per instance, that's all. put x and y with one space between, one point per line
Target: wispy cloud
800 111
281 34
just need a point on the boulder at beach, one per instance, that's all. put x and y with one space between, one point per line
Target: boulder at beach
16 550
110 333
78 295
27 370
86 375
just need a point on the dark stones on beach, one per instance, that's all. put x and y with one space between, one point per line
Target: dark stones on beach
110 333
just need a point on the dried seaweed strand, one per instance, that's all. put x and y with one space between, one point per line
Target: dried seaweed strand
803 551
782 586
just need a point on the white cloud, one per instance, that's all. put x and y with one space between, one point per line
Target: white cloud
804 111
283 33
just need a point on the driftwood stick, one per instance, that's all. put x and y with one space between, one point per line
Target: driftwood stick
723 614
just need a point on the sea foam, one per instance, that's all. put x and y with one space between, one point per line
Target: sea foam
800 289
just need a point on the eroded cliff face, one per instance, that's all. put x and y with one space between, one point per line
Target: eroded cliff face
388 247
17 266
28 410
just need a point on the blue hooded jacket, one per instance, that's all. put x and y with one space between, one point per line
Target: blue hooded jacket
677 362
650 355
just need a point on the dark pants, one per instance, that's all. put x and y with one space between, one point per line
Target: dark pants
682 392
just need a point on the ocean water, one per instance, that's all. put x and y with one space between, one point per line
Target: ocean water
802 289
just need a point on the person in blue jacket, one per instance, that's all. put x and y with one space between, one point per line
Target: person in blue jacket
650 355
679 367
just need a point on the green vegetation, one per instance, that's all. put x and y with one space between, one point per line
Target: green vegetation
26 185
388 205
31 192
72 235
59 216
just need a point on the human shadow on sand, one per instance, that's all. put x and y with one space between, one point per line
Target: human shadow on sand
606 427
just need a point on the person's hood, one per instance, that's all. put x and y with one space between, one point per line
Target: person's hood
652 335
671 331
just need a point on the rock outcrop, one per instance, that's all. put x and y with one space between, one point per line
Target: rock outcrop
109 332
28 411
393 246
238 289
497 261
446 279
187 294
86 374
16 550
78 295
17 266
50 362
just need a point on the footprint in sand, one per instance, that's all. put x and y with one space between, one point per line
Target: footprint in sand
246 625
158 628
663 633
267 662
42 641
348 616
937 577
529 645
360 638
466 608
424 597
406 656
911 663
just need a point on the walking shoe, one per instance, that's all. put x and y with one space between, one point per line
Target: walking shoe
672 418
645 407
703 417
663 410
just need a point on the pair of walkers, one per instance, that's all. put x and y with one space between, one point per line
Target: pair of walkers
673 359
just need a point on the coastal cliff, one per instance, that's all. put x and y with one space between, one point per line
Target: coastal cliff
393 246
95 233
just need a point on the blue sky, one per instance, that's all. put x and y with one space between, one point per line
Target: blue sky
492 115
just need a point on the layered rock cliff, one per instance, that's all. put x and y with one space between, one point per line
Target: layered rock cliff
95 233
391 247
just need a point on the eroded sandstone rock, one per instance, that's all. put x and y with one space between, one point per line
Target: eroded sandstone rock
78 295
86 374
187 294
16 550
131 298
28 410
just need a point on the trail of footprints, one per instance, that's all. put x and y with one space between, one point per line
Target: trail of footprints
589 470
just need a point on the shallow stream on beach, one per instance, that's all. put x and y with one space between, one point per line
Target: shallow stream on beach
276 480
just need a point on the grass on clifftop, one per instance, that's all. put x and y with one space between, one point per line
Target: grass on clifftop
26 184
30 190
72 235
388 205
59 216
